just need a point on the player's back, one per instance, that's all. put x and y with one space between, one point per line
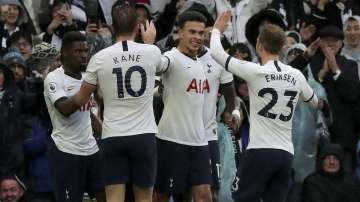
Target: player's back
126 78
274 91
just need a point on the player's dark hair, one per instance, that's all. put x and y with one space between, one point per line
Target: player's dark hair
71 37
241 48
191 16
272 38
124 17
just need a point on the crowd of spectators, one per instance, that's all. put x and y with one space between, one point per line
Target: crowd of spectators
30 37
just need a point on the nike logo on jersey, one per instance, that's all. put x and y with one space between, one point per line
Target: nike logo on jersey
198 86
70 88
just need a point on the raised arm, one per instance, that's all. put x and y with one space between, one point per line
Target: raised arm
240 68
307 94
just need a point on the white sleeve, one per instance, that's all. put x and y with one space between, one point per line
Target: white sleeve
165 63
91 75
307 94
240 68
225 77
54 88
160 62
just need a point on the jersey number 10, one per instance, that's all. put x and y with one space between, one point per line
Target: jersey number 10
274 98
127 83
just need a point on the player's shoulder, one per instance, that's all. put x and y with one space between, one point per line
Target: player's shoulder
171 54
204 53
141 47
58 73
294 71
103 53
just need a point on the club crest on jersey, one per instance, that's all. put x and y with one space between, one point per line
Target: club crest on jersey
52 87
198 86
209 70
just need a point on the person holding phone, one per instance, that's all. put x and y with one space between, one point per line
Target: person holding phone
62 22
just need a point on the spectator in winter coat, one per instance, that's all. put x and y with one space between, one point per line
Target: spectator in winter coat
351 49
12 129
330 183
329 68
15 19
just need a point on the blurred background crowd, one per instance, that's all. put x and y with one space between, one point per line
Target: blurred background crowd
30 37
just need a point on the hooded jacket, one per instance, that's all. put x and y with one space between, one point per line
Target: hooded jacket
22 23
321 186
350 52
12 126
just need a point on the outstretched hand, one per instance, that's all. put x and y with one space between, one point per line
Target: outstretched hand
148 33
222 21
311 50
232 121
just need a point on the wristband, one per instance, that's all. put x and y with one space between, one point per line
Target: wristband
236 113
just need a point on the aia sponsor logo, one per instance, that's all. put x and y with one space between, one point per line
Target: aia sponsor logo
87 106
199 86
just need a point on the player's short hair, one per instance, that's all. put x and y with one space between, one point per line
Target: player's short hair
272 38
71 37
241 48
191 16
124 17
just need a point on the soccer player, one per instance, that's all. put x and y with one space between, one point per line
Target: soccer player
218 79
125 75
74 155
183 153
274 90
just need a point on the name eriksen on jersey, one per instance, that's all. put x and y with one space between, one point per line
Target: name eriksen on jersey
283 77
127 58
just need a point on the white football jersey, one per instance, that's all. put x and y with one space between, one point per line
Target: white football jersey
71 134
125 75
274 90
184 87
215 75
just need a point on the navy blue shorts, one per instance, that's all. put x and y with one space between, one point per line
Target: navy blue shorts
264 173
73 175
181 166
215 164
130 159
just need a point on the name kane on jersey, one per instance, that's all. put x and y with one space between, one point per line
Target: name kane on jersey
127 58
